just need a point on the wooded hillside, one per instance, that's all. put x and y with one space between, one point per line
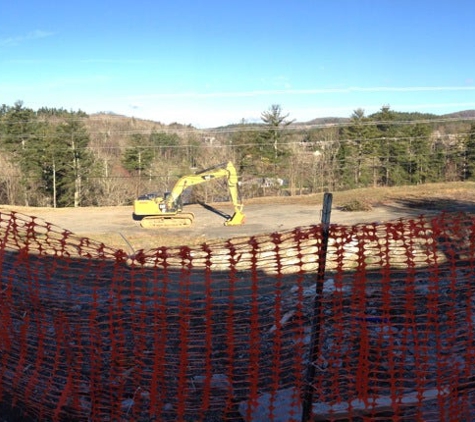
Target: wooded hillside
59 158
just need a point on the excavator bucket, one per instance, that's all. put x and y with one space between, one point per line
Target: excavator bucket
237 219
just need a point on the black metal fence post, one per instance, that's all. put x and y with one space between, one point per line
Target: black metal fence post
307 399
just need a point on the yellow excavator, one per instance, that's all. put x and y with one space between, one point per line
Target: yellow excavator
155 211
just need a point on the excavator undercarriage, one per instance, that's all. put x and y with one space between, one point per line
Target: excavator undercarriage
163 221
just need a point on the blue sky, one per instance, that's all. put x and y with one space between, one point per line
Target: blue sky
210 63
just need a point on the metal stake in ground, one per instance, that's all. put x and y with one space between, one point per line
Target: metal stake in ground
307 399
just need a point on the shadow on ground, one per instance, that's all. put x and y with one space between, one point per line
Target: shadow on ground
438 205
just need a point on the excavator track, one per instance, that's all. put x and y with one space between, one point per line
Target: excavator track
164 221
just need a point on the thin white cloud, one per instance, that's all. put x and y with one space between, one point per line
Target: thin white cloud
118 61
460 106
34 35
290 92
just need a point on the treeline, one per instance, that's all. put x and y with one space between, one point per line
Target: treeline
59 158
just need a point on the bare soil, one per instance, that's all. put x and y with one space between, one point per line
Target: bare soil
115 227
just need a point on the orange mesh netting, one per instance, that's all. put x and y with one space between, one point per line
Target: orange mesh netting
223 331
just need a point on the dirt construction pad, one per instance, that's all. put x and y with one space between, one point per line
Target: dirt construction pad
115 226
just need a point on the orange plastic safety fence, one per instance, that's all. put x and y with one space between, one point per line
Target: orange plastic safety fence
222 332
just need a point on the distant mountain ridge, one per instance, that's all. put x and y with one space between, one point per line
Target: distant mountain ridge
459 115
326 121
464 114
